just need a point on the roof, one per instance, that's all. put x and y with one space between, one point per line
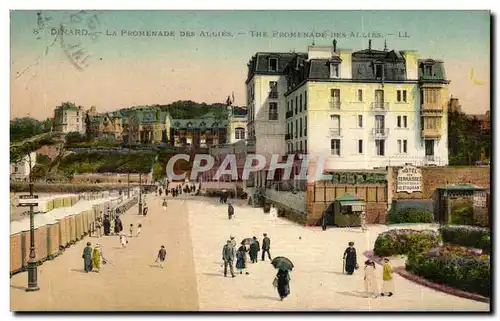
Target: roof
348 198
199 123
259 63
437 70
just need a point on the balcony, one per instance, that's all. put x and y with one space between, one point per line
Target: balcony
273 95
288 136
335 132
431 132
380 132
380 106
335 104
289 114
432 108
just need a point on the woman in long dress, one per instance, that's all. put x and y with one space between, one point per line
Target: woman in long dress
371 286
241 263
96 257
283 283
87 258
388 285
106 224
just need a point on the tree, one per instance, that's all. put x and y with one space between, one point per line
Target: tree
75 138
23 128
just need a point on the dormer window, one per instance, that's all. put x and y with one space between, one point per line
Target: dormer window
334 70
379 71
273 64
428 70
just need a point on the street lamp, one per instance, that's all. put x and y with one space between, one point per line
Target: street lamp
140 194
128 174
32 268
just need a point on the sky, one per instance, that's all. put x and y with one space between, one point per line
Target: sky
113 67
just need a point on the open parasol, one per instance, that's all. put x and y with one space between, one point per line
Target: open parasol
248 241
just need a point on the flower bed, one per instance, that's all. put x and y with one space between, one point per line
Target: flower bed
459 267
405 241
470 236
410 215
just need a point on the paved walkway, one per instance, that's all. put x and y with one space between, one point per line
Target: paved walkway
317 280
132 283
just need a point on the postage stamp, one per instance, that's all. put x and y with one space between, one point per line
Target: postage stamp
250 161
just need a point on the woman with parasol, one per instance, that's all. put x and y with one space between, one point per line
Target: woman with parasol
282 279
241 263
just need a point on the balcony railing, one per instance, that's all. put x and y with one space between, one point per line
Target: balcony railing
431 132
380 106
380 132
289 114
273 95
335 104
434 107
335 132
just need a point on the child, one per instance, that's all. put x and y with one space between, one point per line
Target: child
388 282
131 229
139 229
162 254
164 205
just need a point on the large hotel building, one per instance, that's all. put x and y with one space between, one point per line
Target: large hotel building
363 110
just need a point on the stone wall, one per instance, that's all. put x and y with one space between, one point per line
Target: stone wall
113 178
434 177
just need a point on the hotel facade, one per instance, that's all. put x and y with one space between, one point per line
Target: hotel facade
362 110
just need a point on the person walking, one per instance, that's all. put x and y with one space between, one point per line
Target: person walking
164 204
162 255
388 281
97 227
241 262
266 246
123 240
118 225
106 224
282 282
131 230
370 280
350 259
228 258
145 209
139 226
87 258
230 211
254 250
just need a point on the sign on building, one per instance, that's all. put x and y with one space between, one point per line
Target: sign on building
409 180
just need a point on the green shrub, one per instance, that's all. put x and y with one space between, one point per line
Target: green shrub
470 236
463 216
466 272
411 215
405 241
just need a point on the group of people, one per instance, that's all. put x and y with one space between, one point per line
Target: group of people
92 258
247 252
370 278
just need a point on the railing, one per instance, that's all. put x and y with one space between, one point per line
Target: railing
273 116
380 106
273 94
432 107
431 132
335 132
335 104
380 132
289 114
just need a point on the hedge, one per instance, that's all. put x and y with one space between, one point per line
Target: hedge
470 236
463 216
405 241
456 268
410 215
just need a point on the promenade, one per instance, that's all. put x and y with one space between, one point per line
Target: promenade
194 230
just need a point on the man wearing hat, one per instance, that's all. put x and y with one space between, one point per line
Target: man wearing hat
228 257
266 246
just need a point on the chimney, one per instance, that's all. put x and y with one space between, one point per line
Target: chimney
370 45
335 45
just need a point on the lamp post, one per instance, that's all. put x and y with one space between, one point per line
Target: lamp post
128 174
140 194
32 268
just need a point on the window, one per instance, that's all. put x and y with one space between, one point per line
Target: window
432 96
239 133
273 111
296 104
402 146
360 95
428 70
288 106
305 147
401 96
300 131
380 146
429 147
16 169
273 85
273 64
335 124
305 126
305 100
335 147
300 108
335 94
399 121
296 128
360 121
78 120
360 146
405 121
300 146
291 105
379 71
334 70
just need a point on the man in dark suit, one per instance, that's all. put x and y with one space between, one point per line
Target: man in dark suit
266 246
